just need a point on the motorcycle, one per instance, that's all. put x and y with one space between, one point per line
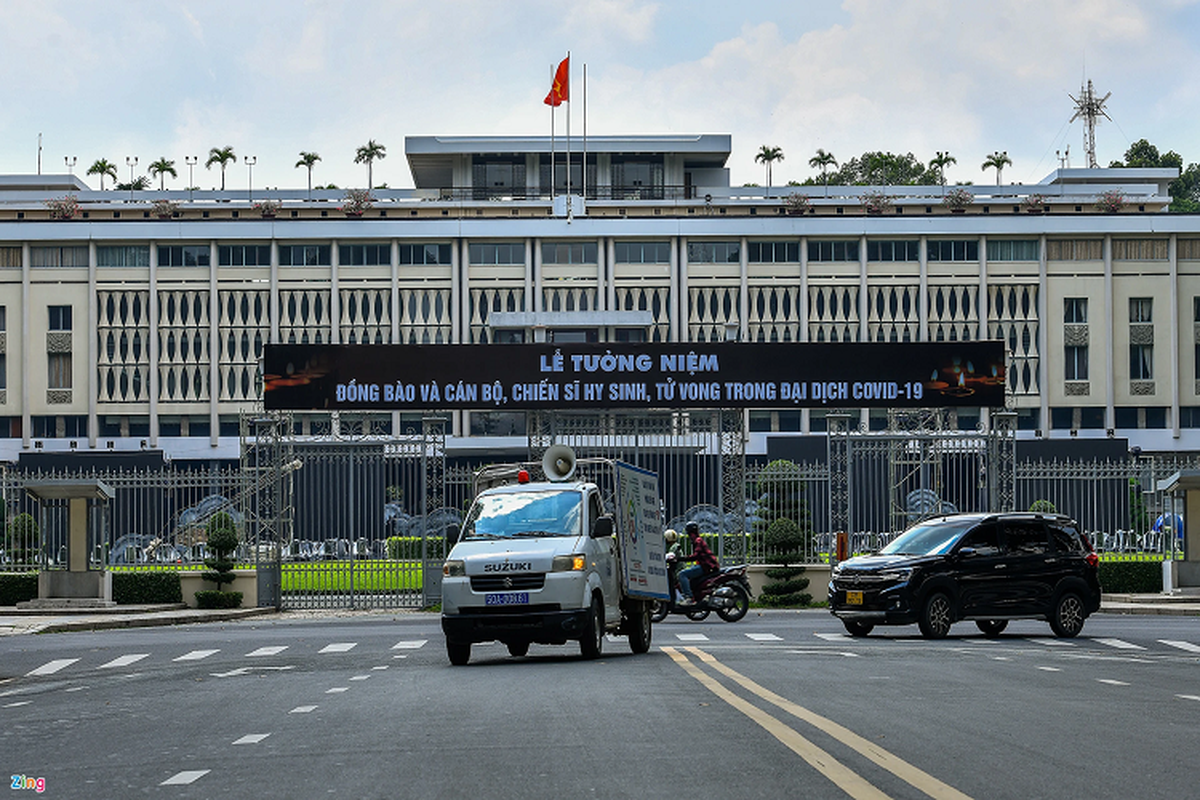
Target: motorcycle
727 592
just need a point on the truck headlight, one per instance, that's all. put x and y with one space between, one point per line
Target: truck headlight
454 569
571 563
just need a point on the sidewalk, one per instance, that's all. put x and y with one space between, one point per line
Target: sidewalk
1181 603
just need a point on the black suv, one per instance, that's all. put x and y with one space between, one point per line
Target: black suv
985 567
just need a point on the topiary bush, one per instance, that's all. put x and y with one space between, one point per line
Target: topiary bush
222 541
784 544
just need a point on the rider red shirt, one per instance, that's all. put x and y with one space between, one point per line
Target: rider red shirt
704 556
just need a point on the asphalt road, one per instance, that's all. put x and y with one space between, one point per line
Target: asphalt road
781 704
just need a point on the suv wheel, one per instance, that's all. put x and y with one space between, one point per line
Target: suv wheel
991 627
856 627
1068 616
936 616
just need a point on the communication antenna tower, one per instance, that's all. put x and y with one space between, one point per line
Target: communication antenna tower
1089 108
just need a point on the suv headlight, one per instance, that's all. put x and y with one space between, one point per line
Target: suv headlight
897 575
572 563
454 569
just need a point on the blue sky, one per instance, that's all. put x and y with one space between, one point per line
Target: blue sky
152 78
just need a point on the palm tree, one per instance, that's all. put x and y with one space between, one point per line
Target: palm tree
823 161
222 156
768 155
939 163
159 169
999 160
103 167
308 160
367 154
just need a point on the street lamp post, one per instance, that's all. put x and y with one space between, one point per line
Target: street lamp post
250 162
191 161
132 162
70 162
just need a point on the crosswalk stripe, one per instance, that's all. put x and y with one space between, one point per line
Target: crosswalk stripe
267 651
52 667
340 647
124 661
302 709
185 777
1120 644
1051 642
1188 646
691 637
1111 682
252 738
763 637
196 655
832 637
415 644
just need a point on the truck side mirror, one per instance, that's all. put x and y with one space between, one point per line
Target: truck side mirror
603 527
452 534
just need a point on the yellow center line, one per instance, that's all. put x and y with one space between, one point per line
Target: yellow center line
845 778
915 777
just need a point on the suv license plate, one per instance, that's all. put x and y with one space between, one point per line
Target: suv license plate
507 599
854 598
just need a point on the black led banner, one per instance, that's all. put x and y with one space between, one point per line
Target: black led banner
517 377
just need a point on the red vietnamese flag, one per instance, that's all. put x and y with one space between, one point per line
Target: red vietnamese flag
559 92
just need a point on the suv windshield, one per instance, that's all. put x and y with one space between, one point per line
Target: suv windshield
517 514
928 539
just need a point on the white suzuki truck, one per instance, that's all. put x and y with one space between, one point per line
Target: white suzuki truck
549 562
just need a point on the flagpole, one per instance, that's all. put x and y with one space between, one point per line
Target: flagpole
551 139
585 132
568 128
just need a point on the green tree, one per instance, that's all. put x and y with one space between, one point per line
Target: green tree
23 540
939 163
769 155
823 161
222 156
308 160
222 541
103 167
1184 190
160 169
879 168
138 184
368 154
998 161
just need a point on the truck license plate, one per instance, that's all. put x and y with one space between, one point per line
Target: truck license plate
507 599
854 598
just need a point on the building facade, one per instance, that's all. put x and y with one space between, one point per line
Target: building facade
136 320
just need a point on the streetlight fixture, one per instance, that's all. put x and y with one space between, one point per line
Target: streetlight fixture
250 162
70 162
191 161
132 162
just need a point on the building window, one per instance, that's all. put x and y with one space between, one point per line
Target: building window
714 253
1075 249
1141 338
60 318
10 257
574 335
244 255
953 250
569 253
70 256
118 256
424 254
188 255
487 253
1075 310
773 252
1141 309
59 365
630 335
1013 250
833 251
305 255
1075 365
1140 249
643 252
893 251
365 255
508 336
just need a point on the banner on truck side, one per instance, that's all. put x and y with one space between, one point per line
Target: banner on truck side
639 526
648 375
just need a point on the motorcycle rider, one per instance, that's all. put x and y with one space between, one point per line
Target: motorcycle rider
706 562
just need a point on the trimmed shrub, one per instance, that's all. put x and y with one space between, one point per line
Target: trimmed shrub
142 588
222 541
1131 577
17 587
784 542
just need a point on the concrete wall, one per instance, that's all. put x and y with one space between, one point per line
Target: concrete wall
245 581
817 574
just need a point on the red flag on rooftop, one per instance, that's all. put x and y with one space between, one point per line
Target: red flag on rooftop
559 91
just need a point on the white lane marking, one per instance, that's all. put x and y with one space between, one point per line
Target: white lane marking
75 689
267 651
232 673
185 777
850 655
691 637
385 666
1050 669
339 647
1188 697
1052 642
196 655
252 738
1120 644
52 667
1188 646
337 690
1111 682
301 709
832 637
415 644
763 637
123 661
1001 658
360 677
18 703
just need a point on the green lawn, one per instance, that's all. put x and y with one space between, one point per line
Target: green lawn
369 576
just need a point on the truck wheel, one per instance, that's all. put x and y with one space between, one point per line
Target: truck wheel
518 649
592 641
639 629
459 654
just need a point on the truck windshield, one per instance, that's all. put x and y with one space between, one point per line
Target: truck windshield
517 514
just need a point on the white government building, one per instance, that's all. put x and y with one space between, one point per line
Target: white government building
138 323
